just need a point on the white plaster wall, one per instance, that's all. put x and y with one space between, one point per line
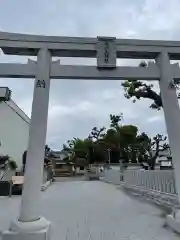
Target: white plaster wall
14 131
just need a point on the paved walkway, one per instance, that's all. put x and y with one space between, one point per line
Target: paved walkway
93 211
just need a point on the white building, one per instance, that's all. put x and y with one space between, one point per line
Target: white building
14 131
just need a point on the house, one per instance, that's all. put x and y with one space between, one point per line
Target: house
61 155
14 128
61 163
165 159
65 162
14 134
164 154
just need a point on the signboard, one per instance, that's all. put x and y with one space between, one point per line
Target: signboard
106 52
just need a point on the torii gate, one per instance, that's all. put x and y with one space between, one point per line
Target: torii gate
106 50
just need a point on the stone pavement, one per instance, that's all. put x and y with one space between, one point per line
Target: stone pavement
81 210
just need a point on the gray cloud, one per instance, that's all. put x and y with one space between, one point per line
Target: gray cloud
76 106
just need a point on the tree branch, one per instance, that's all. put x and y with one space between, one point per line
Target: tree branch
139 90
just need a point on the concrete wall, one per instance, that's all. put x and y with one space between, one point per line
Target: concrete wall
14 131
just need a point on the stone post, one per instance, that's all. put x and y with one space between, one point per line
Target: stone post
30 220
172 117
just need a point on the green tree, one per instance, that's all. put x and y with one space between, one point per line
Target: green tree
112 137
119 138
137 90
97 134
97 148
115 120
123 142
6 164
80 146
149 148
128 135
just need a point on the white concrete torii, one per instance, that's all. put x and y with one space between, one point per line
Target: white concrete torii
106 50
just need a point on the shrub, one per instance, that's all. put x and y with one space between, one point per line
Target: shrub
12 164
4 160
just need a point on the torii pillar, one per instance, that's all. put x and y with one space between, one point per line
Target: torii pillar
30 225
172 119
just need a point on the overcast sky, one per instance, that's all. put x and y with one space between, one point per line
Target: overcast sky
76 106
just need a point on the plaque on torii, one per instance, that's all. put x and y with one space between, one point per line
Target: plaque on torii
106 52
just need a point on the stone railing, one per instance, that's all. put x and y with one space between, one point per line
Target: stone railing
112 176
158 180
157 185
